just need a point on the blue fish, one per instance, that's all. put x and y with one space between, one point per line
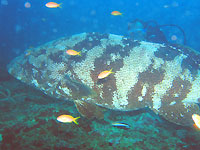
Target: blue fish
120 125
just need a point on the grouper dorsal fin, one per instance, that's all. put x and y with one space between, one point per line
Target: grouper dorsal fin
179 113
89 110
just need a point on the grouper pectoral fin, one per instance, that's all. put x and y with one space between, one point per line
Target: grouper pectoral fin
179 113
89 110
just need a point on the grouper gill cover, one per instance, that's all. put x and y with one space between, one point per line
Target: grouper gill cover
163 77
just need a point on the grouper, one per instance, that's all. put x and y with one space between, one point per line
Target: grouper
162 77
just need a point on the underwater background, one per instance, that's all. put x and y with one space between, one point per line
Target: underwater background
28 117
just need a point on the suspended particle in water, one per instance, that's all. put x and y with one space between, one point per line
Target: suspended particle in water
55 30
4 2
166 6
18 28
175 4
173 37
93 13
27 5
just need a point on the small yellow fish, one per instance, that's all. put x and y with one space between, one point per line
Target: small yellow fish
105 74
52 5
73 52
196 119
67 119
116 13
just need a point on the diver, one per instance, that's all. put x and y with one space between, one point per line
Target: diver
152 32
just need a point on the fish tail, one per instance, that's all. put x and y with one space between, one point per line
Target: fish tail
79 53
111 71
75 120
59 5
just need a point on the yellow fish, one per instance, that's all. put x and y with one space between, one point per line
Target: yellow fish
196 119
105 74
52 5
116 13
67 119
73 52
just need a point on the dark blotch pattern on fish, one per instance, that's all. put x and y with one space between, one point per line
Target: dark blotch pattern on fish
167 53
149 78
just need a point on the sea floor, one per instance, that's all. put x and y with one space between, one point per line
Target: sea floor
28 122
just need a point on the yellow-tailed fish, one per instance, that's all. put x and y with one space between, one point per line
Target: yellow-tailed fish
52 5
116 13
105 74
67 119
196 119
73 52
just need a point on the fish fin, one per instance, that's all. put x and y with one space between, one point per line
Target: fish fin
111 70
179 113
59 5
89 110
121 14
75 120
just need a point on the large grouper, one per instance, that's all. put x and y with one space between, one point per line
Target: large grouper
163 77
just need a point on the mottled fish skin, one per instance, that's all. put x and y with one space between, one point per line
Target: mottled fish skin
162 77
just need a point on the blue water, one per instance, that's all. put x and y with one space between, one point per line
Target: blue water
22 28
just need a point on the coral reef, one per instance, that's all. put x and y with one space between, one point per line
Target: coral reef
6 95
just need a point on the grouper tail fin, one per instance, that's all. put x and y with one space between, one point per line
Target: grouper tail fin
179 113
